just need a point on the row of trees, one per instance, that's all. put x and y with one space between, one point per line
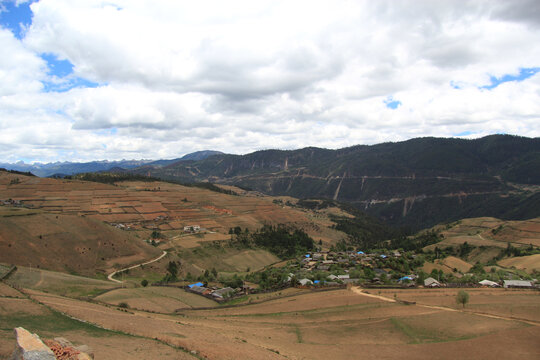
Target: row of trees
283 241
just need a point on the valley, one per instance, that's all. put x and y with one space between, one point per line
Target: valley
275 260
66 236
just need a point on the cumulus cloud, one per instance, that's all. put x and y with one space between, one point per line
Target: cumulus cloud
173 77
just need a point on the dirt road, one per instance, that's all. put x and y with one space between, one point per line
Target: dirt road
360 291
111 275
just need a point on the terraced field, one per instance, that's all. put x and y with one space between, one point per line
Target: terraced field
490 236
320 325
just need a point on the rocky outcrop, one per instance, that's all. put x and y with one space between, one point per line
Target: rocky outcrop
30 347
64 350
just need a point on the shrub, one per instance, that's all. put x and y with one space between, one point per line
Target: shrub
462 297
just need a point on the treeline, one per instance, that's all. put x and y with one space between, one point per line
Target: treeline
363 230
416 243
110 178
113 177
283 241
26 173
205 185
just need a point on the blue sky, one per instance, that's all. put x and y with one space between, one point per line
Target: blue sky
524 73
16 17
91 80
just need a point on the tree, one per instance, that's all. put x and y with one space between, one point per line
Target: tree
144 283
462 297
172 270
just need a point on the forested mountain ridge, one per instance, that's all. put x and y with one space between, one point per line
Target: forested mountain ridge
418 182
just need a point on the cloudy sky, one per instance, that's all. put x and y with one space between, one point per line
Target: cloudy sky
89 79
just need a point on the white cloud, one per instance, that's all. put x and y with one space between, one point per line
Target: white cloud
238 76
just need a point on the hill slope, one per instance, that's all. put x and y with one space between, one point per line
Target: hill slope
80 226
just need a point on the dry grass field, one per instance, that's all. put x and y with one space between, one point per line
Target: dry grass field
156 299
447 265
336 324
48 324
292 323
527 263
516 303
57 283
68 243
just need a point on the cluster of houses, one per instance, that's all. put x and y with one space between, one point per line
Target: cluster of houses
331 280
218 294
323 260
507 284
121 226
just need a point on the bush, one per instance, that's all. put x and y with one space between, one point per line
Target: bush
462 297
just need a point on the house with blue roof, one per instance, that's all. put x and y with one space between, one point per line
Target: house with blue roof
199 284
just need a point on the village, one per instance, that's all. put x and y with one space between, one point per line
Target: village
329 269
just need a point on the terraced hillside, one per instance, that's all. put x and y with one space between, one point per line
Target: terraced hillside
490 240
83 227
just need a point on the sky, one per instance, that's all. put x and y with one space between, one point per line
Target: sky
156 79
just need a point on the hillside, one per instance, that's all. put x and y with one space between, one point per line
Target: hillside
82 227
489 241
417 183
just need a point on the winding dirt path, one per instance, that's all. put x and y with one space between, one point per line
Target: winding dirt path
111 275
359 291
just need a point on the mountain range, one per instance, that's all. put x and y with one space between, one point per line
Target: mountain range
415 183
70 168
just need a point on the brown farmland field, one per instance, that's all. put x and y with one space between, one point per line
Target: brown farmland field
319 325
527 263
66 224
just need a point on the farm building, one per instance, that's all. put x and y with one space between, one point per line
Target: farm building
489 283
517 284
431 282
192 228
196 284
200 290
222 293
305 282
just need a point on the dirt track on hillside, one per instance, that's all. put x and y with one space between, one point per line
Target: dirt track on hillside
111 275
359 291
